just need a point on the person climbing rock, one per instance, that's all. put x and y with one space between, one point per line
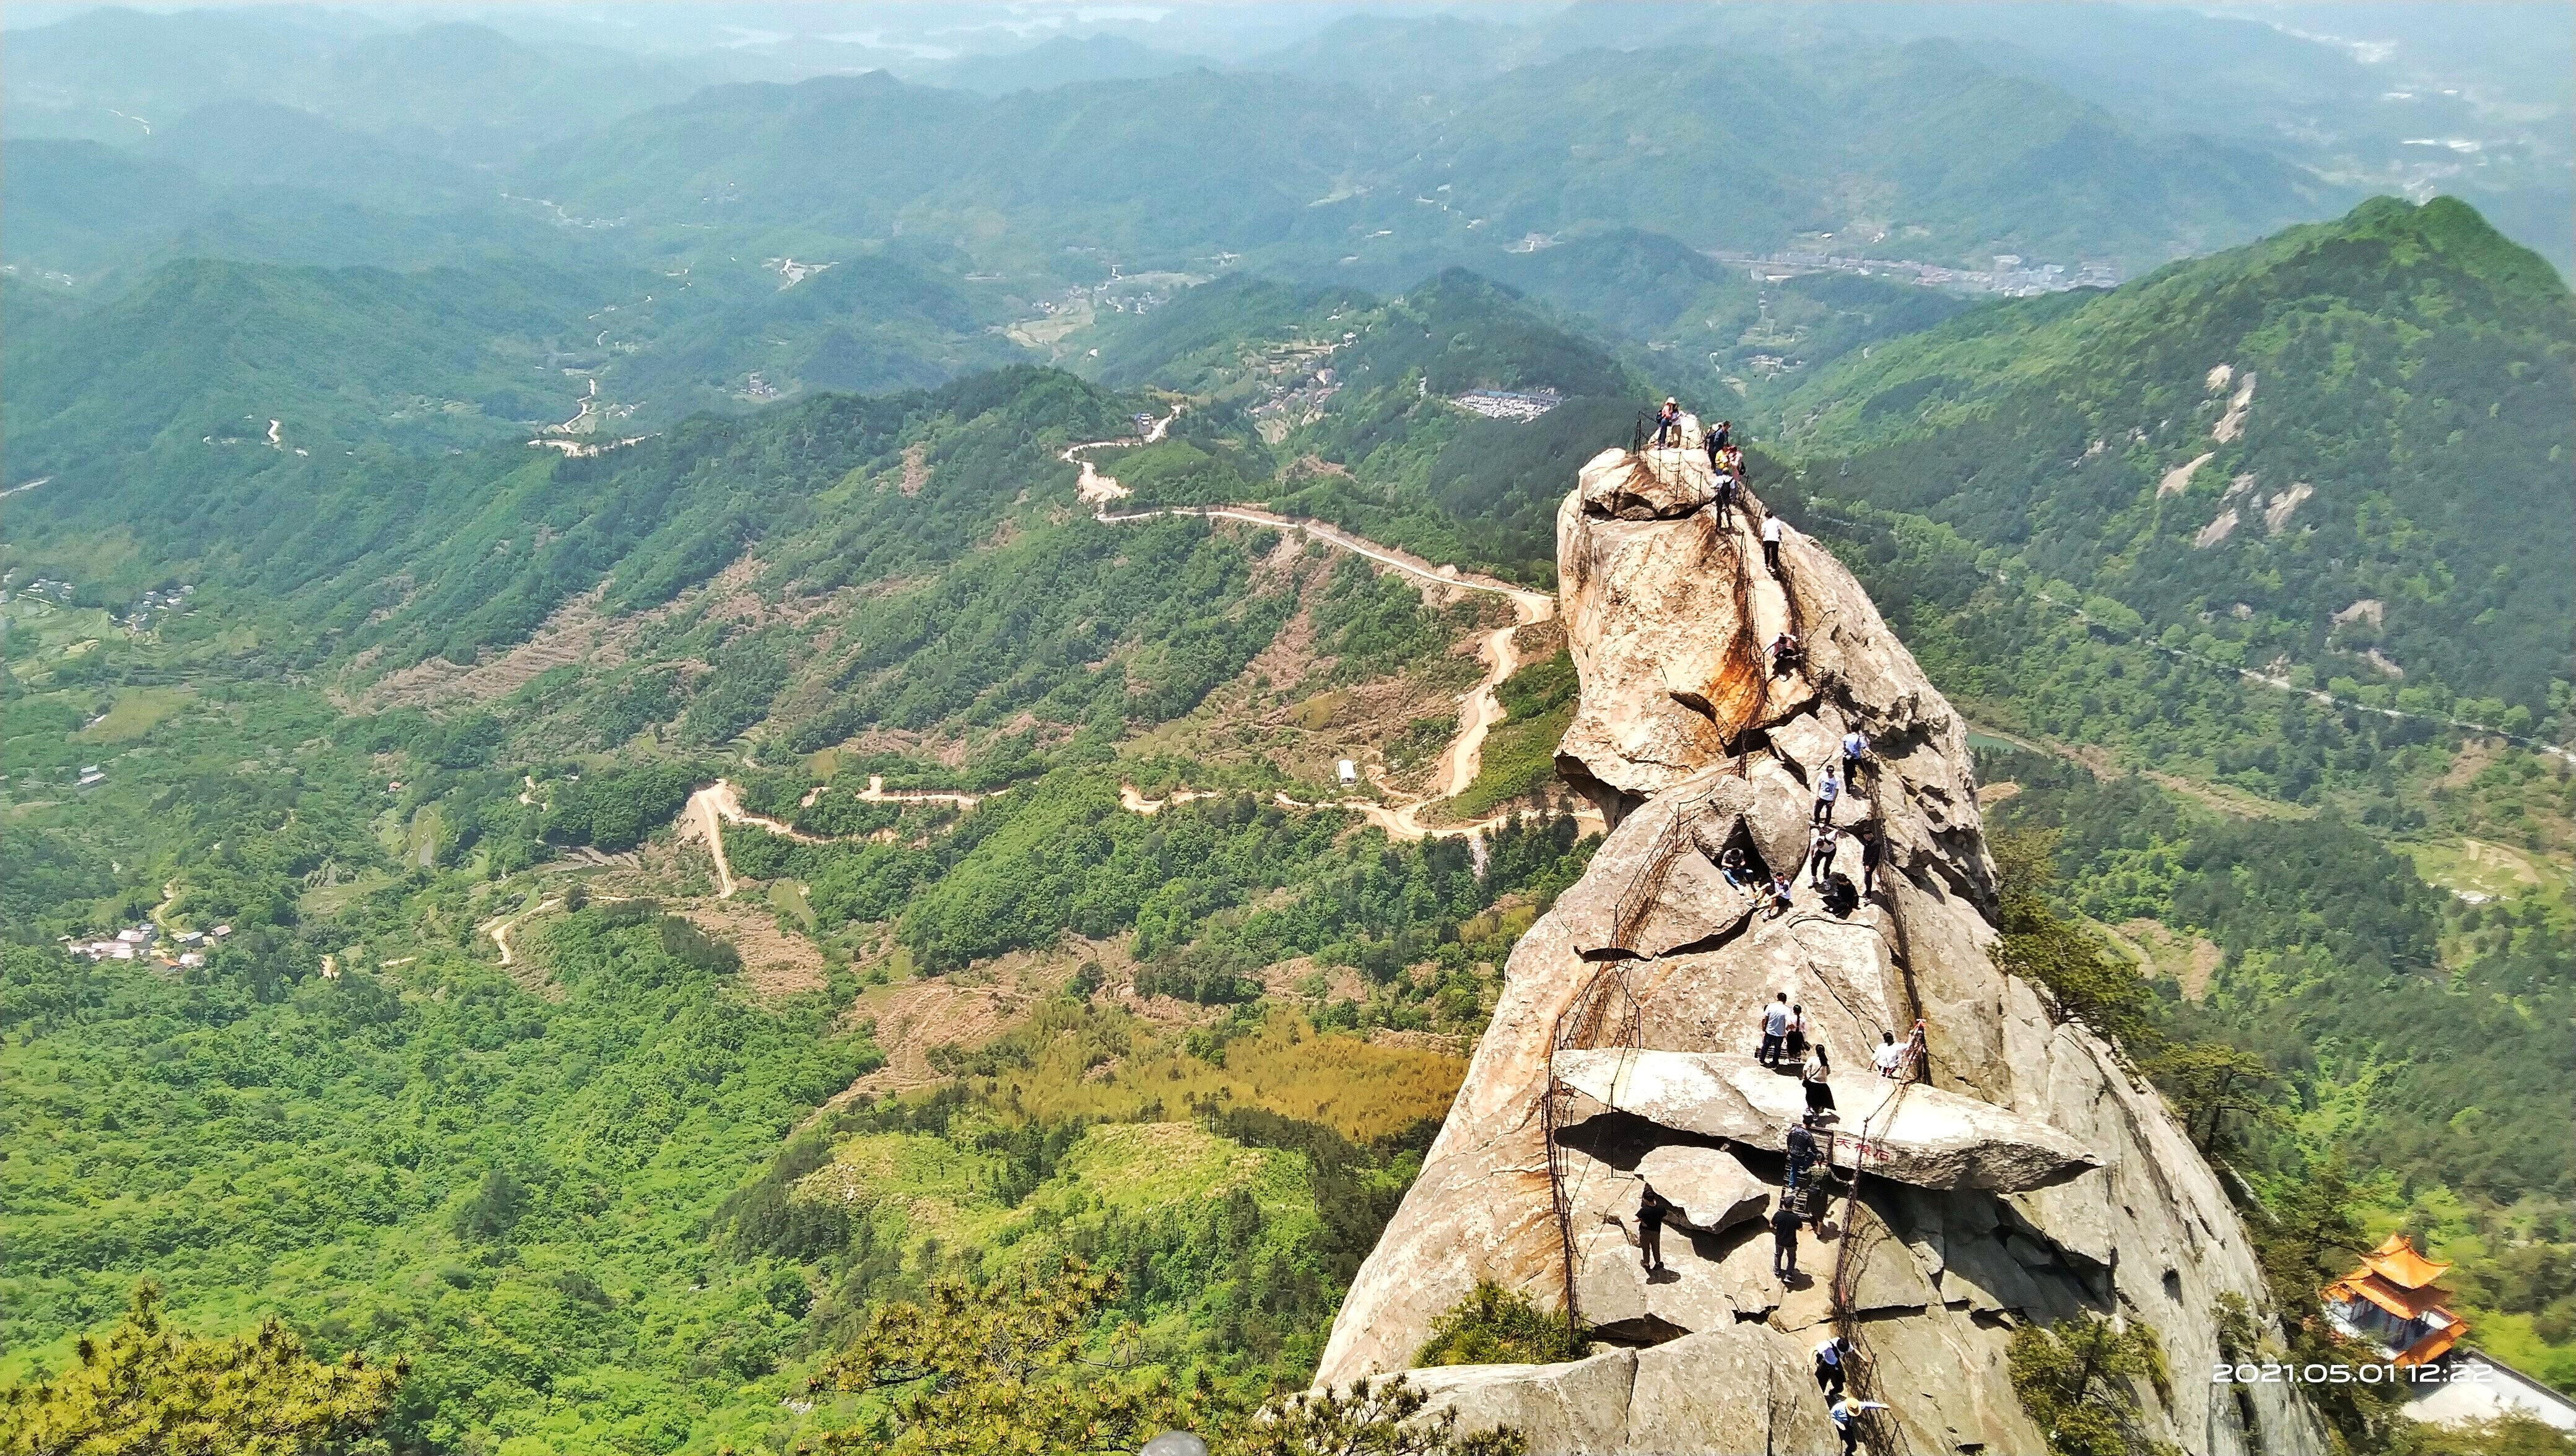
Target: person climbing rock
1855 748
1828 789
1890 1057
1651 1210
1737 870
1668 423
1786 656
1820 854
1873 848
1820 1093
1771 530
1726 495
1802 1153
1784 1239
1775 1031
1783 894
1830 1354
1847 1413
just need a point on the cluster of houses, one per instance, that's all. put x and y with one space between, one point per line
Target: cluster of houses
1505 404
184 949
140 615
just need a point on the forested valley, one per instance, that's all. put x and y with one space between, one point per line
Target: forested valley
618 917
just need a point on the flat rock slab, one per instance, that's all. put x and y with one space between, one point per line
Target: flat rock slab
1935 1139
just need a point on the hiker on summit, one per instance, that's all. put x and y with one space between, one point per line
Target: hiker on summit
1814 1076
1668 423
1771 529
1784 1239
1846 1413
1652 1208
1829 1366
1727 492
1828 789
1721 436
1775 1031
1714 442
1820 854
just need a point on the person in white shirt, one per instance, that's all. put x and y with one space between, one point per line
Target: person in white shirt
1855 748
1820 855
1846 1415
1829 1367
1775 1031
1828 789
1771 543
1889 1055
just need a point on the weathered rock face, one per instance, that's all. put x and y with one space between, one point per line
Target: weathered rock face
2034 1177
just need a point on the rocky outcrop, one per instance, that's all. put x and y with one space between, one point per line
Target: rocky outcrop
2029 1176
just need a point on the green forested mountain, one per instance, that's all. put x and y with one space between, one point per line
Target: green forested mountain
201 354
1313 175
2350 439
1042 926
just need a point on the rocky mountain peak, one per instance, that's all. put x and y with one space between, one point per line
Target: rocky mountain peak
2015 1170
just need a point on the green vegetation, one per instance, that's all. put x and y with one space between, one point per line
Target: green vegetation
2395 481
1519 757
1498 1326
2078 1382
147 1388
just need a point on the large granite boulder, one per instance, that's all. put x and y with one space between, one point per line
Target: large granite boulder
2034 1176
1925 1136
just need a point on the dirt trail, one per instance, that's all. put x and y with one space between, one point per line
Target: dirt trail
500 929
1478 711
1096 489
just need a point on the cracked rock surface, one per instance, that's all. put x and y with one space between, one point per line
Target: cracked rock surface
2030 1177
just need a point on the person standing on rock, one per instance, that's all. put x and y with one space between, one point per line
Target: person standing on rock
1726 493
1771 530
1668 423
1722 436
1829 1367
1795 1047
1855 748
1815 1075
1873 848
1847 1413
1820 854
1784 1239
1775 1031
1828 789
1714 442
1652 1208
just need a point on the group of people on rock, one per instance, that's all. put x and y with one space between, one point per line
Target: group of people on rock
1788 1043
1725 462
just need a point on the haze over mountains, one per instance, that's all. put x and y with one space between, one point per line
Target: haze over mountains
752 616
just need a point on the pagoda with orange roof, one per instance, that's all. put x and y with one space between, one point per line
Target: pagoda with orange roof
2393 1302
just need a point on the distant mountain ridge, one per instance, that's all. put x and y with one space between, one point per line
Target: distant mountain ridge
2344 449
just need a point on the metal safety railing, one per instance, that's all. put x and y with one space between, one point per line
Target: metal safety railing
1603 1015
